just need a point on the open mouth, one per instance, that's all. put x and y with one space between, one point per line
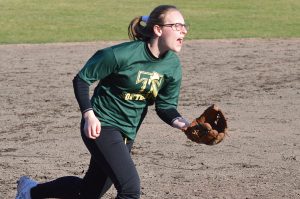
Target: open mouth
180 40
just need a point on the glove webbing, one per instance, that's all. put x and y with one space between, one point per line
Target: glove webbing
203 131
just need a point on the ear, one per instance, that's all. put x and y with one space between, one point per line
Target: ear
157 30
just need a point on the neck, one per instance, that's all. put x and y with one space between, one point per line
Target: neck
155 48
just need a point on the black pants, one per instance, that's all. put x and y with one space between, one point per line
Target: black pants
110 163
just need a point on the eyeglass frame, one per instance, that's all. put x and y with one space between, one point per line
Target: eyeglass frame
175 26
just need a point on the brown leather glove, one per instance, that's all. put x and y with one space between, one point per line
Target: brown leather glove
209 128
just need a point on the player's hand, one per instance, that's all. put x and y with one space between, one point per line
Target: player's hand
181 123
92 125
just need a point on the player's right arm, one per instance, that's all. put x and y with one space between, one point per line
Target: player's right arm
99 66
92 125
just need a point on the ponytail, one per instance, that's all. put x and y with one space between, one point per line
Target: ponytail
137 29
141 28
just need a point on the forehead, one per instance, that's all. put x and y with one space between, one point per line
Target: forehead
173 16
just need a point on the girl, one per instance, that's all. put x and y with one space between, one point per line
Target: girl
133 75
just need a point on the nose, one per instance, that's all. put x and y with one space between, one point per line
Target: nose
184 30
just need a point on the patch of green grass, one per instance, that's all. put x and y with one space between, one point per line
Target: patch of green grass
44 21
245 18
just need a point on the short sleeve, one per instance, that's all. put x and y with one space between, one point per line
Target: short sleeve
99 66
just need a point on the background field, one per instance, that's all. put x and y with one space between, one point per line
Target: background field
41 21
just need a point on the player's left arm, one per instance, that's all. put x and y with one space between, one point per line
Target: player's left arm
167 101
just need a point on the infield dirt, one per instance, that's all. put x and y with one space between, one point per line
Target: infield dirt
256 82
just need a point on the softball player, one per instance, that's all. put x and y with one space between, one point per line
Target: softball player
133 75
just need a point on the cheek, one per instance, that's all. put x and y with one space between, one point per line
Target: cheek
173 43
170 39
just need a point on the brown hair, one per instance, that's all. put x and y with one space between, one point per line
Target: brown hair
141 30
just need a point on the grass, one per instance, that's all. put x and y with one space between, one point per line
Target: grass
44 21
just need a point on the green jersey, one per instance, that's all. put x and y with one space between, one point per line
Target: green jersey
131 79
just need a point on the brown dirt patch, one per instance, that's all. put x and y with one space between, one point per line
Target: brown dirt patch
255 81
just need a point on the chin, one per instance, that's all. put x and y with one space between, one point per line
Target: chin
177 49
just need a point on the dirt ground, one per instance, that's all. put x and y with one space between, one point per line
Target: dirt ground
255 81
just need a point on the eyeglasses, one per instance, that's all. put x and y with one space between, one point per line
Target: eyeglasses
176 26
